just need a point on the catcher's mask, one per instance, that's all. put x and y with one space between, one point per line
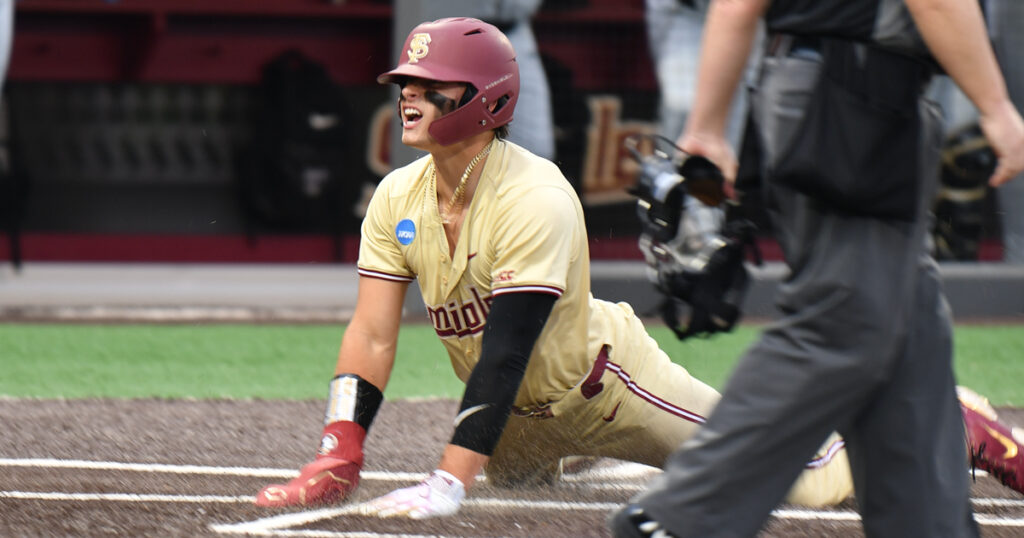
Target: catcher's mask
967 163
469 51
692 240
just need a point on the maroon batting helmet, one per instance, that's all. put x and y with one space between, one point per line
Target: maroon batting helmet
463 50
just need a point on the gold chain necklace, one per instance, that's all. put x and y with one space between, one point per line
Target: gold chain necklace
460 190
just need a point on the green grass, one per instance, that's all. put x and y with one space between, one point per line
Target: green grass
296 361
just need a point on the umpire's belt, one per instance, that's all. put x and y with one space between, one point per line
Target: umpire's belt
850 61
780 45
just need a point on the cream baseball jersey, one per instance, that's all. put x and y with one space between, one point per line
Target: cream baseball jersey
524 232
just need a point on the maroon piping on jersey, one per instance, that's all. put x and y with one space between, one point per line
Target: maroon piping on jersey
384 276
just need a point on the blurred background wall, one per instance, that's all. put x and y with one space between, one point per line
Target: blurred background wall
254 130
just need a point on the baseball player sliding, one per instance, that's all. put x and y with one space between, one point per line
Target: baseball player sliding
495 237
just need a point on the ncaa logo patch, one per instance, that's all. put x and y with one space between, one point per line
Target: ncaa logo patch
405 232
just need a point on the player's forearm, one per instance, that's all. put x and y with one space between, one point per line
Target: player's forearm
955 32
366 354
371 338
725 47
463 463
513 326
515 322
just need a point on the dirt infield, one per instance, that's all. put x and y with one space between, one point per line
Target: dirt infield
190 468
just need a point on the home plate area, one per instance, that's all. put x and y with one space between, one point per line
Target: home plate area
190 468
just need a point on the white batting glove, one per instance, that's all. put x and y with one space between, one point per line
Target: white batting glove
440 494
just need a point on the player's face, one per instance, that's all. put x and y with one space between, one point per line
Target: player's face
421 102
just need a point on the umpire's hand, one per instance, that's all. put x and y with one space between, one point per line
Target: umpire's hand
715 148
1004 130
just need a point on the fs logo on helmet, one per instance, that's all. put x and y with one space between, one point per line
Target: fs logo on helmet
418 48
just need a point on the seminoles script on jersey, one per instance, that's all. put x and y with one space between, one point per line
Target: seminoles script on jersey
461 319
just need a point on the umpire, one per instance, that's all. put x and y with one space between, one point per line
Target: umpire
864 344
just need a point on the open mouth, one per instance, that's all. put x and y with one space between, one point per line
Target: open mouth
410 116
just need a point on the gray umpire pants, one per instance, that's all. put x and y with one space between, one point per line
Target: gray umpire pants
863 347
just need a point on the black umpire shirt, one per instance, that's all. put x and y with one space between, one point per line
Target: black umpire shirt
883 22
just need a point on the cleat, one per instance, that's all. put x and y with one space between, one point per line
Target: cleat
325 481
993 447
633 522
